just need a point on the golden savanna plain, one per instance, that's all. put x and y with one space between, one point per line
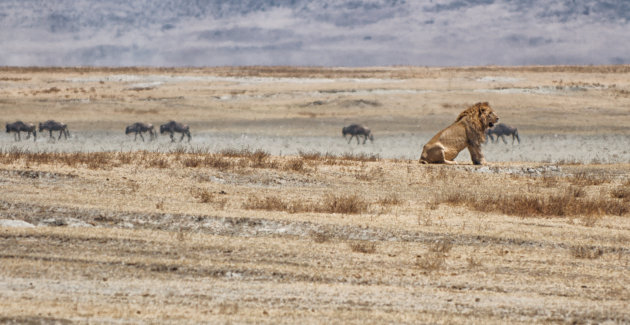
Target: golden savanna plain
182 233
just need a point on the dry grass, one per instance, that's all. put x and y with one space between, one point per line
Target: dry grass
295 164
144 237
586 252
330 203
321 236
345 204
548 198
585 178
431 261
325 72
186 241
622 192
224 160
441 246
362 246
390 199
562 201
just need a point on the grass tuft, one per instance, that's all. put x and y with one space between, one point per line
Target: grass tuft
363 246
586 252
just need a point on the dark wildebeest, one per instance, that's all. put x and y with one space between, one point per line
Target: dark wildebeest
139 128
356 130
20 126
172 127
51 126
501 130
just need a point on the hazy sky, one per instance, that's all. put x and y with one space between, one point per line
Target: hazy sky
319 32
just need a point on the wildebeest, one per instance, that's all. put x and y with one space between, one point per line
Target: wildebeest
172 127
20 126
52 125
501 130
357 130
139 128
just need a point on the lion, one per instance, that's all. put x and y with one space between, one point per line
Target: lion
468 131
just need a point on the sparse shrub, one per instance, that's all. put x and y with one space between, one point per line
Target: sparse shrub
181 235
125 158
576 192
390 199
432 261
158 162
589 220
362 246
228 308
360 157
233 153
350 204
203 195
363 177
295 164
97 160
473 262
586 252
310 155
320 236
255 159
441 246
133 187
217 161
269 203
192 162
433 205
424 219
332 204
569 202
585 178
259 158
622 192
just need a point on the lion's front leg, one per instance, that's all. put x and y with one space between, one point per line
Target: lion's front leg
476 155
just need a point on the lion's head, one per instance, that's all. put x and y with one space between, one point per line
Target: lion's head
480 114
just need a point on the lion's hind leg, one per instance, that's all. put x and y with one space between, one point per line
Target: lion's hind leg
435 155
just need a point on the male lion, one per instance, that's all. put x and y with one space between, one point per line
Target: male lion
468 131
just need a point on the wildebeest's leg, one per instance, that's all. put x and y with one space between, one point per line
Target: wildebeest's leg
183 135
357 136
172 137
350 138
60 133
141 137
188 134
364 138
16 136
50 133
502 138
